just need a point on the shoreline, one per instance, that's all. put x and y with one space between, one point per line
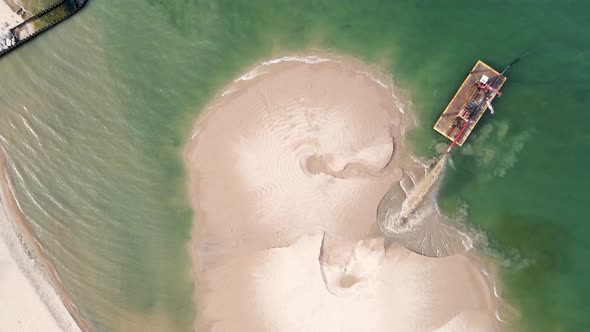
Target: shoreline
42 274
337 163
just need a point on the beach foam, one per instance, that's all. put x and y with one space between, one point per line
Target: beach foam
286 176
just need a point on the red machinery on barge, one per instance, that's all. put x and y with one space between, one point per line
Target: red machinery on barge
474 97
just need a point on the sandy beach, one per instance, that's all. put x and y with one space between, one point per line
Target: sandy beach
287 167
8 18
32 297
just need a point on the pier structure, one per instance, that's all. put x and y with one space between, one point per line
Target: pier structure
36 23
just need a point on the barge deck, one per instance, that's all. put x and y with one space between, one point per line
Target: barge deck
469 103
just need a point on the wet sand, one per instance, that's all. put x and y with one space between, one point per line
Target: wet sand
287 168
32 296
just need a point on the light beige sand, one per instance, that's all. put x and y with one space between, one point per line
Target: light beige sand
287 168
8 18
283 289
32 298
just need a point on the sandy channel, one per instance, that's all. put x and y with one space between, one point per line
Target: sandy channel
287 168
32 297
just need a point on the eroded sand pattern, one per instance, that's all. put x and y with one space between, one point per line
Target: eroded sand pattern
288 167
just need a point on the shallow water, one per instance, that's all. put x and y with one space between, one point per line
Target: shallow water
94 112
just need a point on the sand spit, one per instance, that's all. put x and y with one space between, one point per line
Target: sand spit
32 298
287 169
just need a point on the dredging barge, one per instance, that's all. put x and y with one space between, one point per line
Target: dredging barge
474 97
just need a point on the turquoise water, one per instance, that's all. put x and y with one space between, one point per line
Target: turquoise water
97 110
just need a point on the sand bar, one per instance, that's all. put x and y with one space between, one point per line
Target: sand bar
32 297
287 168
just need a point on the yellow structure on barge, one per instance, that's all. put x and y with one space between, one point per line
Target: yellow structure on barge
470 102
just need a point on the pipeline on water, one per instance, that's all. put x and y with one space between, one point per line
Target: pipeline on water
410 217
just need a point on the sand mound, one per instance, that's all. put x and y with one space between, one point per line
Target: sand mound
310 147
307 147
283 289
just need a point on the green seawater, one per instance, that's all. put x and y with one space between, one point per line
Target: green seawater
94 114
